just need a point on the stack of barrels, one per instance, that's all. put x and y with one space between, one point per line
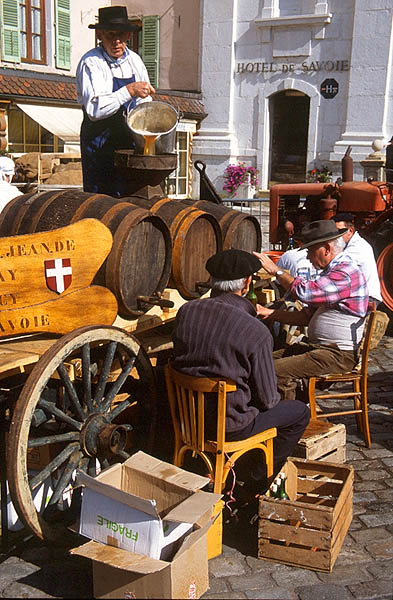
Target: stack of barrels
156 242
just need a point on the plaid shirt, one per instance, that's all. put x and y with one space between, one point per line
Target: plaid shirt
341 286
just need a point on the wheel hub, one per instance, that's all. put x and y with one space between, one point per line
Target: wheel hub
100 437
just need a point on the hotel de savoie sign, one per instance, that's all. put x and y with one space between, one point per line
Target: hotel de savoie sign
304 67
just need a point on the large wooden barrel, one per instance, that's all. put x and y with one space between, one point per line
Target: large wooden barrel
239 229
196 236
139 263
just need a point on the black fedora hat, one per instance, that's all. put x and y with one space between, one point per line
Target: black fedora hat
318 232
232 264
113 18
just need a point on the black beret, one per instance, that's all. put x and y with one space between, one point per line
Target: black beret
232 264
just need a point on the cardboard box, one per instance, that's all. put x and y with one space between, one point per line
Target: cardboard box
143 505
120 573
307 530
323 440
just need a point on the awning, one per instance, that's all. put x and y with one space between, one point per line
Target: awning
62 121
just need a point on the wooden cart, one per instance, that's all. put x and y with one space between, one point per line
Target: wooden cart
77 387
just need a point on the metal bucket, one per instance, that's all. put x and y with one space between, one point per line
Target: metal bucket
154 118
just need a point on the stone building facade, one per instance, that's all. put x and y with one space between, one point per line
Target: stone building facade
288 85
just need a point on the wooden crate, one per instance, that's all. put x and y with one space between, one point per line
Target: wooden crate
308 529
322 441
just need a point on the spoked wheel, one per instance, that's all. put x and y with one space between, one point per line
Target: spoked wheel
90 401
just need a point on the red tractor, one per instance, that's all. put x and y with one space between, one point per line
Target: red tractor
371 203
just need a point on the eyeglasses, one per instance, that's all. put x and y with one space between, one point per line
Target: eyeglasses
116 35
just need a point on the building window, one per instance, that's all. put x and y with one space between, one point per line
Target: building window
26 135
176 185
32 31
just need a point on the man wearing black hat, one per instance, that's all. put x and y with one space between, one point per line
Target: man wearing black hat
220 336
110 80
336 306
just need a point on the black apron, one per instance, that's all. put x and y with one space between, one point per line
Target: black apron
99 140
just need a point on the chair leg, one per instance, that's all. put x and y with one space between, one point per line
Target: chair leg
311 397
365 423
218 473
269 458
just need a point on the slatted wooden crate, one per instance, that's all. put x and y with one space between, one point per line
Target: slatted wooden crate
322 441
308 529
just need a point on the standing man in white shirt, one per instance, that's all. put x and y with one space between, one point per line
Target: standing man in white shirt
361 253
110 80
7 191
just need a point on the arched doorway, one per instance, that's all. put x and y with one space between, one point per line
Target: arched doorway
289 112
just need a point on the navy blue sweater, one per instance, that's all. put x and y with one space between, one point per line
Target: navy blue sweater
221 336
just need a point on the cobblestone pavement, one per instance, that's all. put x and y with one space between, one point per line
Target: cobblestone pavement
363 570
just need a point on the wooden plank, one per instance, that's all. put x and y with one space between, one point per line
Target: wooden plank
86 306
342 532
310 468
282 510
300 557
25 279
346 491
322 487
314 445
295 535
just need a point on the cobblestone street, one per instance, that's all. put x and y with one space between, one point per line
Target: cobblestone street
363 570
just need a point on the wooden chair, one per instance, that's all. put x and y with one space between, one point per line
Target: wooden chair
358 379
187 404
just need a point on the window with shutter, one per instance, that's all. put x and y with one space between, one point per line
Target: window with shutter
150 47
10 43
63 34
32 31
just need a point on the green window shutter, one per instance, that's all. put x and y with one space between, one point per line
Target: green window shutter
10 42
63 34
151 46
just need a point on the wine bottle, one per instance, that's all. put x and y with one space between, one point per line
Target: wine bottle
251 295
291 244
282 492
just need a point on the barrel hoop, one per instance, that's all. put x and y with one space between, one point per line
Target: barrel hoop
18 200
38 215
157 205
23 210
113 211
184 215
79 213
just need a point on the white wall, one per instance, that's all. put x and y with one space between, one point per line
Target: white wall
237 36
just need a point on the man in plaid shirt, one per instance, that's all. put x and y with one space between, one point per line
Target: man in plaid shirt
336 306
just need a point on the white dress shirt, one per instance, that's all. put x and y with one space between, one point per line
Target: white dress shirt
362 253
94 81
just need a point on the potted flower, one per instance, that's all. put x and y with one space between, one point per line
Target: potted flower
237 175
319 175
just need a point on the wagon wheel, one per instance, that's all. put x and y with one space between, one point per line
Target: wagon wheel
91 400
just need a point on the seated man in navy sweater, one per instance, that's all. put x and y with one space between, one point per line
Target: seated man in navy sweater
221 336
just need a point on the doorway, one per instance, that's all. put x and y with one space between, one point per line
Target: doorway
289 111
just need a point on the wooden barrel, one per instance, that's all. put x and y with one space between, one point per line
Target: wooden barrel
196 236
239 229
139 263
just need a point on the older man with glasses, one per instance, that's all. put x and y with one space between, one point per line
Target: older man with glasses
110 79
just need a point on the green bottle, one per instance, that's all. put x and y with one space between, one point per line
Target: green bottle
251 295
291 244
282 493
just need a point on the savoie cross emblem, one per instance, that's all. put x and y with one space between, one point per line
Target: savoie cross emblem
58 274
